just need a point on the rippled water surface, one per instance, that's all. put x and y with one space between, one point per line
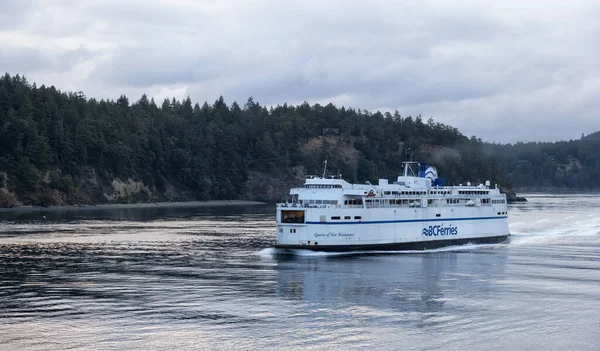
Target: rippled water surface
205 278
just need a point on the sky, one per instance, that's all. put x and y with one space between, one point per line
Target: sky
505 71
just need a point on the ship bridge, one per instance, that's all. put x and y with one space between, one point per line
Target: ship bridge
324 192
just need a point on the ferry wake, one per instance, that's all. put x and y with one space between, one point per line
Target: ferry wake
416 212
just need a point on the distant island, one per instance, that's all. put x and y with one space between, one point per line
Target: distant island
572 165
62 148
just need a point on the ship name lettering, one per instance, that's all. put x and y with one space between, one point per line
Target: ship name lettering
329 235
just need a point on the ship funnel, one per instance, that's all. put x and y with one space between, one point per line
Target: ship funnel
430 172
426 171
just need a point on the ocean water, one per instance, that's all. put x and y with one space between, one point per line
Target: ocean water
205 278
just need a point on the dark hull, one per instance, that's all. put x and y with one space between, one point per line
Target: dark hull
417 245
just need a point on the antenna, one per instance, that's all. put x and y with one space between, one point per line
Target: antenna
325 168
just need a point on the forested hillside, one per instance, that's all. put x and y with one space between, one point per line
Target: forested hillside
563 165
64 148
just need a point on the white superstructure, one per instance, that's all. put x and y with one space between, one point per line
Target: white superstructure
415 212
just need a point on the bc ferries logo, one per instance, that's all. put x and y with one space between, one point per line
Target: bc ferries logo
435 230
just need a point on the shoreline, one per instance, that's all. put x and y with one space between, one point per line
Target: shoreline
211 203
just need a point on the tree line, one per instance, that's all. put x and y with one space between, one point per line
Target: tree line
62 147
561 165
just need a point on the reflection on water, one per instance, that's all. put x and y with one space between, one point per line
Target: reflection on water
204 278
404 282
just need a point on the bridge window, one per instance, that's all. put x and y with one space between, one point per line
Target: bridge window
292 216
322 186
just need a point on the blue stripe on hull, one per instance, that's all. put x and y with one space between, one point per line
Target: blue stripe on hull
411 220
415 245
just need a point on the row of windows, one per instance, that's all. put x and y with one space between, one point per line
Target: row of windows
358 202
502 213
318 202
391 201
323 186
483 201
436 192
404 193
337 218
473 192
440 192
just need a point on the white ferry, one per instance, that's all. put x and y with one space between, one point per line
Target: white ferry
416 212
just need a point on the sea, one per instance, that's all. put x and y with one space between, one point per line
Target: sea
206 278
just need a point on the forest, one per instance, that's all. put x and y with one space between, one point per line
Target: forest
572 165
63 148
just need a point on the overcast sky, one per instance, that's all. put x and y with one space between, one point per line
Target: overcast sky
502 70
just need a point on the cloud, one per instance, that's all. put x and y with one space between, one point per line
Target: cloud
31 59
12 12
504 71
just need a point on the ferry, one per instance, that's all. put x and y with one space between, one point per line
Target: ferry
416 212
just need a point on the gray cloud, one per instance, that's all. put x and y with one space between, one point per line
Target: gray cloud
25 60
12 12
504 71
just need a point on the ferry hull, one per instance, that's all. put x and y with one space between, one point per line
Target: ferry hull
415 245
